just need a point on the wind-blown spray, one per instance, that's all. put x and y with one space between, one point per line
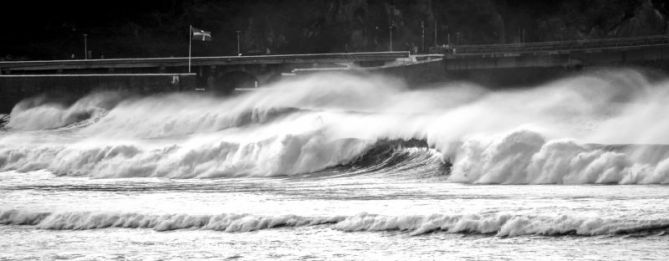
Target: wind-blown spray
599 127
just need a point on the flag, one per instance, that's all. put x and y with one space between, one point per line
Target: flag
200 35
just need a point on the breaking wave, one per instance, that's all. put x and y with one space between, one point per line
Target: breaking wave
40 113
388 157
500 225
525 157
90 220
352 125
284 155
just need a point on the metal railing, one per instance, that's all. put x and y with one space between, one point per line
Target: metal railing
209 60
556 46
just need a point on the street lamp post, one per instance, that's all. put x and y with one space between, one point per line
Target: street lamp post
422 39
239 52
436 39
85 46
390 37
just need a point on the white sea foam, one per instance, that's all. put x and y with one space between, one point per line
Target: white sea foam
92 220
537 135
502 225
285 155
525 157
38 113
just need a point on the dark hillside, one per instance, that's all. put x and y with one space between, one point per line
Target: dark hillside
123 28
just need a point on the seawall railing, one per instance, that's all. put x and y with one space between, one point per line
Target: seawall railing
558 46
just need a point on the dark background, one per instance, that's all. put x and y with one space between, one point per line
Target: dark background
148 28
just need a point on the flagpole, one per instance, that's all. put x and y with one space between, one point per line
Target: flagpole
190 45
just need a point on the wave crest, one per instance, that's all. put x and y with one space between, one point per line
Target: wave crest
396 156
339 123
284 155
501 225
526 157
94 220
40 114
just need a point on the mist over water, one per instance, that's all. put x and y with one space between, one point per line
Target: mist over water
599 127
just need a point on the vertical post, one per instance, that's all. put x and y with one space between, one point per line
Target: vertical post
190 45
448 37
436 40
390 37
239 50
85 46
422 39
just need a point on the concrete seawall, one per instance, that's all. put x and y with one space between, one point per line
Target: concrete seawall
14 88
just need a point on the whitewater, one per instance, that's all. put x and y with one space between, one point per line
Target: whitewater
343 166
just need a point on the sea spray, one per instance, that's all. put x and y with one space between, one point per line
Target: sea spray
306 125
282 155
39 112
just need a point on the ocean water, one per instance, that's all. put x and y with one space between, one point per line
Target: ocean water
343 167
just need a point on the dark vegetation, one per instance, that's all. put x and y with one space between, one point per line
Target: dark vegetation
149 28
